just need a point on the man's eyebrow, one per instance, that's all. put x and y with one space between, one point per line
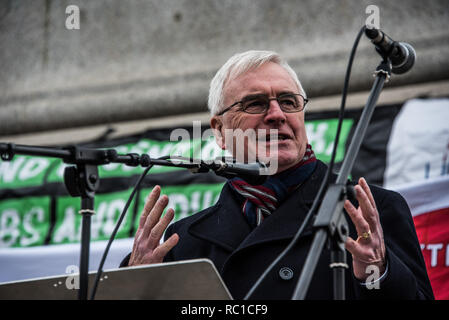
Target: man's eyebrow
252 96
258 95
285 92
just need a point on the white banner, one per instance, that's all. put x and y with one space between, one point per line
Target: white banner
42 261
419 143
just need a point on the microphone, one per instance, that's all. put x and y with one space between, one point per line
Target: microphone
401 54
254 173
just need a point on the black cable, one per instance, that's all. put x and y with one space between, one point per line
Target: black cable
343 99
117 226
326 180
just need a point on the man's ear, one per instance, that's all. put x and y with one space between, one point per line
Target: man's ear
216 124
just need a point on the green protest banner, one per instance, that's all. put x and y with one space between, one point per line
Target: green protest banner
108 208
321 135
24 222
24 171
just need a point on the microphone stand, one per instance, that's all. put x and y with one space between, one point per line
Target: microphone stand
330 224
82 180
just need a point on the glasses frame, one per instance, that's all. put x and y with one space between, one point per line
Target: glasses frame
269 99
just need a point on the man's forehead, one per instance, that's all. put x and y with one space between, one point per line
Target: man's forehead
264 79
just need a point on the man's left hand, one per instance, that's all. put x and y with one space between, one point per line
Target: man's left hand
369 248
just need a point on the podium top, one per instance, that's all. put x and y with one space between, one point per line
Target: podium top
196 279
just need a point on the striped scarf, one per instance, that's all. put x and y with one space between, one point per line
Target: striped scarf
260 201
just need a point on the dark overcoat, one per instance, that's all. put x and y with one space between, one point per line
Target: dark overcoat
240 254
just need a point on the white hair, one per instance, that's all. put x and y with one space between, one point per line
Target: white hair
239 64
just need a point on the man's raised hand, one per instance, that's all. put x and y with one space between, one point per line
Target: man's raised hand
147 248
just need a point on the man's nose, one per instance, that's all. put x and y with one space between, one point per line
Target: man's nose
274 113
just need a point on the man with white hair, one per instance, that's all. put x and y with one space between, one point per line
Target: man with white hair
250 225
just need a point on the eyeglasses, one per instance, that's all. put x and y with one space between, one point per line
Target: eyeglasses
259 103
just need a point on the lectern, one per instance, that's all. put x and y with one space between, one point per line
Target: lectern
196 279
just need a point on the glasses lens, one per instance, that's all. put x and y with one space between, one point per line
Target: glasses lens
291 102
255 104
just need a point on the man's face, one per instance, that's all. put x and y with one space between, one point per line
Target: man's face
272 80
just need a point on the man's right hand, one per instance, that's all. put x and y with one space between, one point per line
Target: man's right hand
147 248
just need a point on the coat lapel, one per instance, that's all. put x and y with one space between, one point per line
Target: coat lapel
281 224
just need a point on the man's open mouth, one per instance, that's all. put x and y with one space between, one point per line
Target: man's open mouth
279 137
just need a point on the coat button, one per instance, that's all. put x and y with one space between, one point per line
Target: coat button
286 273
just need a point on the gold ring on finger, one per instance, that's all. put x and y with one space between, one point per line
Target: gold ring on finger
366 235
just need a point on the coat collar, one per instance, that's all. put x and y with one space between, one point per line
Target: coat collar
226 226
